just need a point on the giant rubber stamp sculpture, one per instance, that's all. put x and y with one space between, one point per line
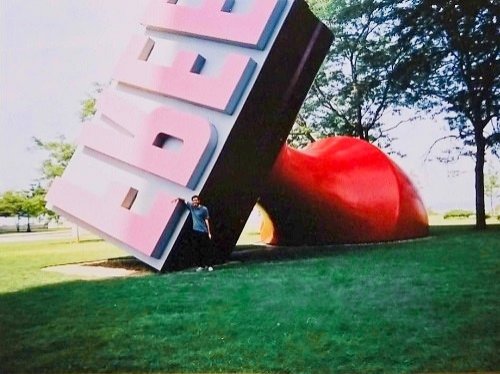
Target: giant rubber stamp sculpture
339 190
201 104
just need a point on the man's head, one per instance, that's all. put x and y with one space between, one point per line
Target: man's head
195 200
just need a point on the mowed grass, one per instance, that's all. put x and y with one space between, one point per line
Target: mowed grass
21 262
423 306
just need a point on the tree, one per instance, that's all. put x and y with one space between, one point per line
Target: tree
60 152
59 155
33 204
89 105
11 205
23 204
453 63
491 187
355 86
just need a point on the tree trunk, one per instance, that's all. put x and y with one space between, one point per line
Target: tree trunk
479 169
492 210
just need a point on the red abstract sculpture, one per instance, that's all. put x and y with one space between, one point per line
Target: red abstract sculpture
339 190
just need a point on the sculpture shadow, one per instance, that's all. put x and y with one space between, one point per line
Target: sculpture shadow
246 254
266 253
256 253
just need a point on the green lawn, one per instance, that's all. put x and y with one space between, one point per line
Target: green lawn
21 263
424 306
439 220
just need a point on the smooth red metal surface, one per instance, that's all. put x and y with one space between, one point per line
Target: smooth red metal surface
339 190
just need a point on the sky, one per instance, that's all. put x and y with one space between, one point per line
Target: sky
52 52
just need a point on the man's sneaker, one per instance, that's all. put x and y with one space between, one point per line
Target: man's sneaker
210 268
199 268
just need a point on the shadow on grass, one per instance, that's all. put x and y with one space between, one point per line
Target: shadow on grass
87 240
259 253
256 253
249 253
128 263
429 307
264 253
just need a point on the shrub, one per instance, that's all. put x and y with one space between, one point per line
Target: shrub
458 213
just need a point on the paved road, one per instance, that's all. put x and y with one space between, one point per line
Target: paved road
63 234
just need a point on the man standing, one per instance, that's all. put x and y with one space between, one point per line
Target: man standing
201 232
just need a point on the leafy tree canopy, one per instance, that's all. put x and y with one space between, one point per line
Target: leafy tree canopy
23 203
60 153
453 63
355 87
89 105
11 204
